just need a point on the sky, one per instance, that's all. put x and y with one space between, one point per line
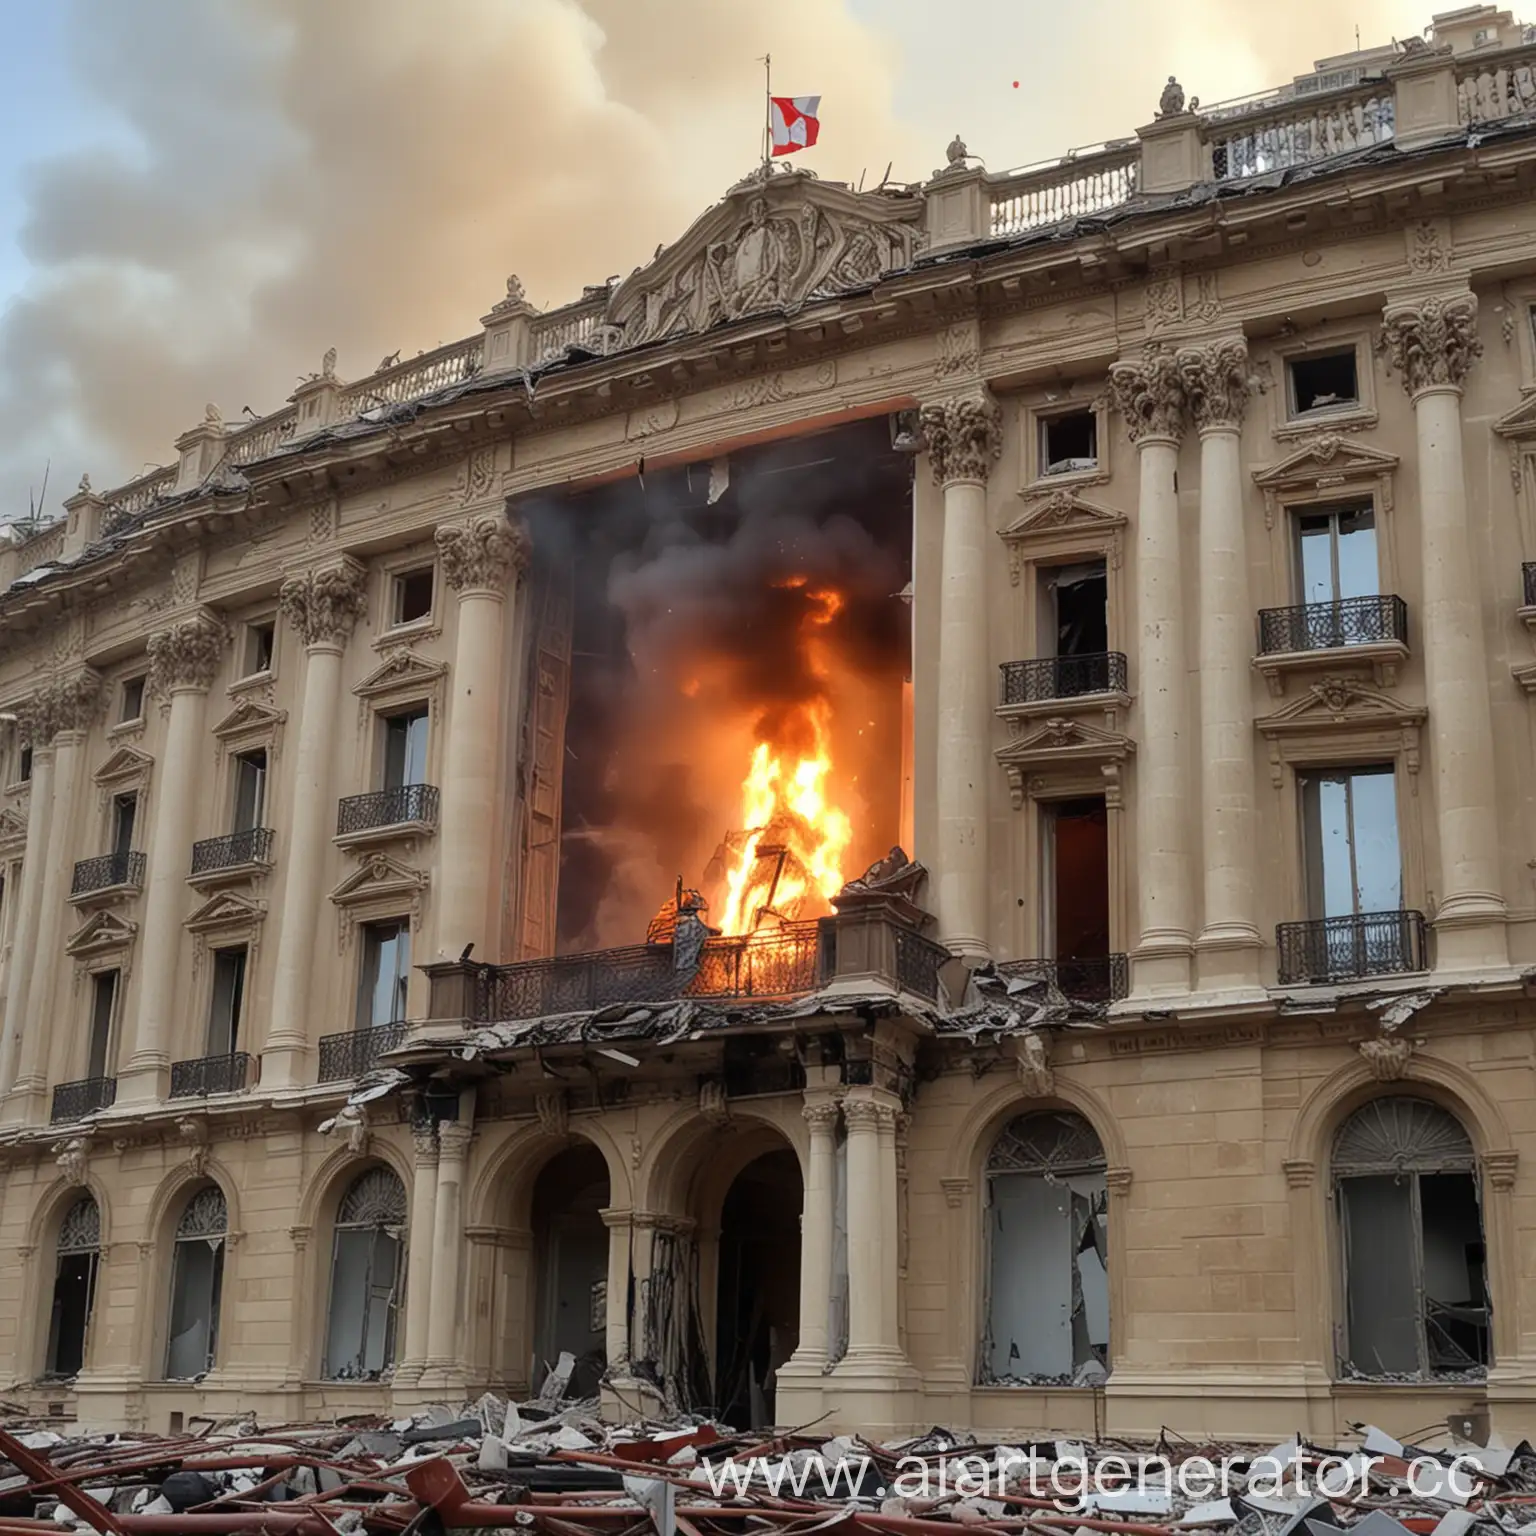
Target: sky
199 197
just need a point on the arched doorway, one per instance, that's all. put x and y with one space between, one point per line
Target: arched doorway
757 1312
571 1267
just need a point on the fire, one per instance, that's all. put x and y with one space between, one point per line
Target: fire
788 864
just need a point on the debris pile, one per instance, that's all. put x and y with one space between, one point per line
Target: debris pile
557 1471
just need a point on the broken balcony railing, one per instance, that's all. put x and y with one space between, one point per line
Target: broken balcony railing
1361 944
1063 677
1528 574
252 846
1096 979
1327 626
107 870
354 1051
778 962
210 1074
74 1101
387 808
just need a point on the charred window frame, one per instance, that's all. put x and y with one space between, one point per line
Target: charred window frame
1412 1248
77 1260
367 1253
1047 1316
197 1280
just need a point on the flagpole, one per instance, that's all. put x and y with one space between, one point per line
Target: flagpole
767 112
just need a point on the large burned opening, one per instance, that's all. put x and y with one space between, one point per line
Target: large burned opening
721 653
571 1265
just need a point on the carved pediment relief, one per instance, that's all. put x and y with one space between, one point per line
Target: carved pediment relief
401 671
1324 463
770 246
1520 422
1340 701
101 933
126 768
226 910
1055 514
1063 744
252 719
13 830
381 887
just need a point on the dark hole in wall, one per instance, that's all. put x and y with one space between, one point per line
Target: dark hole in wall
1080 829
1069 442
1079 593
571 1247
413 596
1318 383
73 1287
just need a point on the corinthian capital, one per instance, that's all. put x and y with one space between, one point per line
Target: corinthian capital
484 554
1148 392
1215 382
324 604
1432 343
187 654
73 702
34 718
965 437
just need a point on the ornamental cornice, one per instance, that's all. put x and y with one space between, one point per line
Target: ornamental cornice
187 653
965 437
1148 392
1216 382
485 554
323 604
1431 343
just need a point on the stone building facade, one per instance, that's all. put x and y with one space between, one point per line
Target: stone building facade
1191 1087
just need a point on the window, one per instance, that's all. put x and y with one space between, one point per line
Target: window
1048 1236
228 999
1323 383
132 700
1336 555
250 790
365 1278
259 640
405 749
411 596
1074 609
1077 891
197 1276
386 974
24 766
1411 1236
1349 823
1069 442
103 1011
125 811
77 1257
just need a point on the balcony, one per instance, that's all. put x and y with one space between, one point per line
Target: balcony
210 1074
408 810
107 877
1372 630
232 857
1333 949
74 1101
1051 679
354 1051
1095 982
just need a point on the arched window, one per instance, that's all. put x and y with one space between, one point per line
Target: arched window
1048 1235
1411 1234
365 1277
78 1254
197 1274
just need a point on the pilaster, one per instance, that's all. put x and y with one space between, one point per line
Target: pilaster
29 898
444 1369
418 1276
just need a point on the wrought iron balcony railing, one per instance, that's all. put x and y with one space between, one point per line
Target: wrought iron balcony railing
354 1051
105 870
210 1074
1528 573
1063 677
1338 948
781 962
1328 626
918 961
387 808
1097 979
253 846
74 1101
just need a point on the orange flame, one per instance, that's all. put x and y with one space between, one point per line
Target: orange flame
785 805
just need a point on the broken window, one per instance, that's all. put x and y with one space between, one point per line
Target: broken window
411 596
1411 1229
1069 442
197 1274
571 1241
1324 383
1048 1233
365 1278
78 1253
1074 615
259 640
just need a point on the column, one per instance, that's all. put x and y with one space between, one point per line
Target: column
964 437
322 607
418 1259
873 1347
74 706
816 1219
182 663
443 1367
481 561
35 728
1433 344
620 1224
1215 379
1150 397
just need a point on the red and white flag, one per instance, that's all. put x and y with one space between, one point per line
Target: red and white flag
793 122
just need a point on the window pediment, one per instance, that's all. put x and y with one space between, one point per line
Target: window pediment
251 723
1327 465
102 933
127 768
381 887
1062 746
1520 422
13 831
402 677
1341 718
1060 516
226 918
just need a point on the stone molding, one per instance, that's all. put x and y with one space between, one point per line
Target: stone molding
187 654
424 1138
821 1116
1432 343
965 437
1216 382
1148 392
324 604
453 1141
486 554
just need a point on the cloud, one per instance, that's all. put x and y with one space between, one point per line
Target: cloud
291 175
